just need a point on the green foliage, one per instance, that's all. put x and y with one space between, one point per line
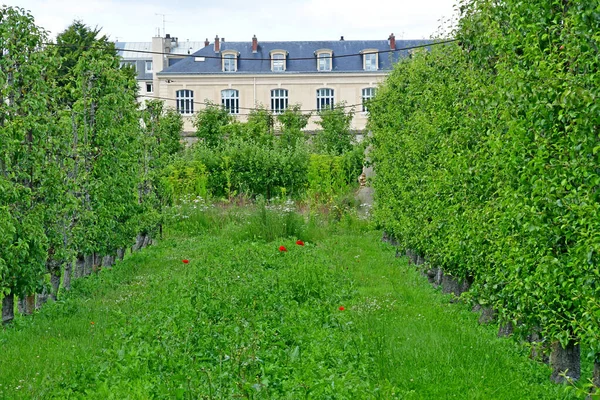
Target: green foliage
184 178
252 168
487 161
292 122
259 126
72 43
209 124
335 136
27 138
326 177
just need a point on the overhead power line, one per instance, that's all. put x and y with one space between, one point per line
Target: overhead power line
206 103
258 59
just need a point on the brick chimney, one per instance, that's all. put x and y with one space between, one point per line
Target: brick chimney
206 43
217 46
392 40
254 44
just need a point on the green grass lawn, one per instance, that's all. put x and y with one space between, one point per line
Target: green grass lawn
245 320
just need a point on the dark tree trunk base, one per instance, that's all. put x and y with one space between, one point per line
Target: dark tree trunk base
539 350
488 315
451 285
596 378
29 304
565 361
67 275
108 262
97 262
120 254
139 241
8 308
55 283
21 305
88 264
41 299
147 241
80 266
505 329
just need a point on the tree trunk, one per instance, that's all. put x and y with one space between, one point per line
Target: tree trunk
21 304
41 299
505 330
419 260
80 266
107 262
147 240
67 275
538 347
8 308
452 285
139 240
29 304
565 361
596 376
121 254
53 266
88 264
488 315
97 262
55 282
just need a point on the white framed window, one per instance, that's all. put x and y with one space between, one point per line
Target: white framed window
279 100
185 101
325 99
149 87
230 99
148 66
367 94
370 61
278 61
230 61
324 60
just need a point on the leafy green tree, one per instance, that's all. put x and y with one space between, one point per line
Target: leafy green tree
335 136
292 122
108 138
26 137
209 124
72 43
161 140
259 125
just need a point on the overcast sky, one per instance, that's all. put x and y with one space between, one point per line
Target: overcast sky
238 20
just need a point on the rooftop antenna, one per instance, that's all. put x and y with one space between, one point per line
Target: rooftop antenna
163 22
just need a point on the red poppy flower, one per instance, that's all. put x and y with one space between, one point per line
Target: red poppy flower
282 248
92 322
342 308
299 242
186 261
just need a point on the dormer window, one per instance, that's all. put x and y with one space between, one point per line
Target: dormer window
324 60
230 61
278 63
370 60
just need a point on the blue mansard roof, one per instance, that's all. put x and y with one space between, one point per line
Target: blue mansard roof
295 49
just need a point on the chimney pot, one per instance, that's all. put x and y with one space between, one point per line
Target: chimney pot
341 38
217 45
206 43
392 40
168 36
254 44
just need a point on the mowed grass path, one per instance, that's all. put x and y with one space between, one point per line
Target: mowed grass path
245 320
